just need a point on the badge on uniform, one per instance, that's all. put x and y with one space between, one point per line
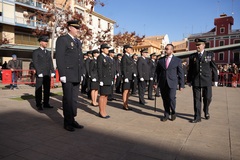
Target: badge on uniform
208 58
104 60
72 44
194 59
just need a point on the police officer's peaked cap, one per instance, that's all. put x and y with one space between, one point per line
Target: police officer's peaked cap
145 50
127 46
111 51
95 51
74 23
104 46
43 38
89 52
199 41
153 54
119 54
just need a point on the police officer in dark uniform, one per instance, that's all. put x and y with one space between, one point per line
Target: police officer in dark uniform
69 60
104 67
152 68
135 74
143 74
93 73
127 73
88 80
42 62
118 73
111 55
202 71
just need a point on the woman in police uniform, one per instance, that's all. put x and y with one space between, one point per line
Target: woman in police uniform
94 84
104 68
127 68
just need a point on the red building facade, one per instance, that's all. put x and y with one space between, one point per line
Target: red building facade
221 35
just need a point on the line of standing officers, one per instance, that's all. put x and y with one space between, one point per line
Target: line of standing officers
129 73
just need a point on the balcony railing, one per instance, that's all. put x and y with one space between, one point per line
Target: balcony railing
32 23
32 3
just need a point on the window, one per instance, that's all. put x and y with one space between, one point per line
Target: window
90 19
207 45
237 41
236 57
221 43
99 23
221 56
222 30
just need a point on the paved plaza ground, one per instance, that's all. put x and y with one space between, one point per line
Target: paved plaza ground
29 134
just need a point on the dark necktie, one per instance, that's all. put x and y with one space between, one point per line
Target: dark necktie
200 55
76 42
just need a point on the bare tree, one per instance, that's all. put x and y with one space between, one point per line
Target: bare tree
131 38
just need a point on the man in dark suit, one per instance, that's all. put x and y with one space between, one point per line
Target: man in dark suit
152 68
202 71
42 62
143 74
69 59
169 73
118 73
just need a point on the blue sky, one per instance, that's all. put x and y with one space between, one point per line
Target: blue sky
177 18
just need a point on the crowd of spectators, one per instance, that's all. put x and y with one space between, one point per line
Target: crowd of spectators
228 75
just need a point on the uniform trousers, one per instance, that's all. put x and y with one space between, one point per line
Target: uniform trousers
141 90
70 97
134 85
118 84
169 99
198 94
150 89
45 82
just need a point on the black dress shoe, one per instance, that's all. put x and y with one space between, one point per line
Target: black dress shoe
151 98
195 120
173 117
127 108
76 125
69 128
164 119
48 106
106 117
207 116
142 103
39 107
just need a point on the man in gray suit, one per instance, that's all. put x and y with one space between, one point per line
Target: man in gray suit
42 62
169 74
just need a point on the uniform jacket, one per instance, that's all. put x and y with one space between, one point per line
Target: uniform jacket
42 62
104 68
69 58
143 68
118 67
93 69
127 67
135 71
202 71
152 68
173 75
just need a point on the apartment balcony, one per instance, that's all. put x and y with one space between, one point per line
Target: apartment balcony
23 22
30 3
